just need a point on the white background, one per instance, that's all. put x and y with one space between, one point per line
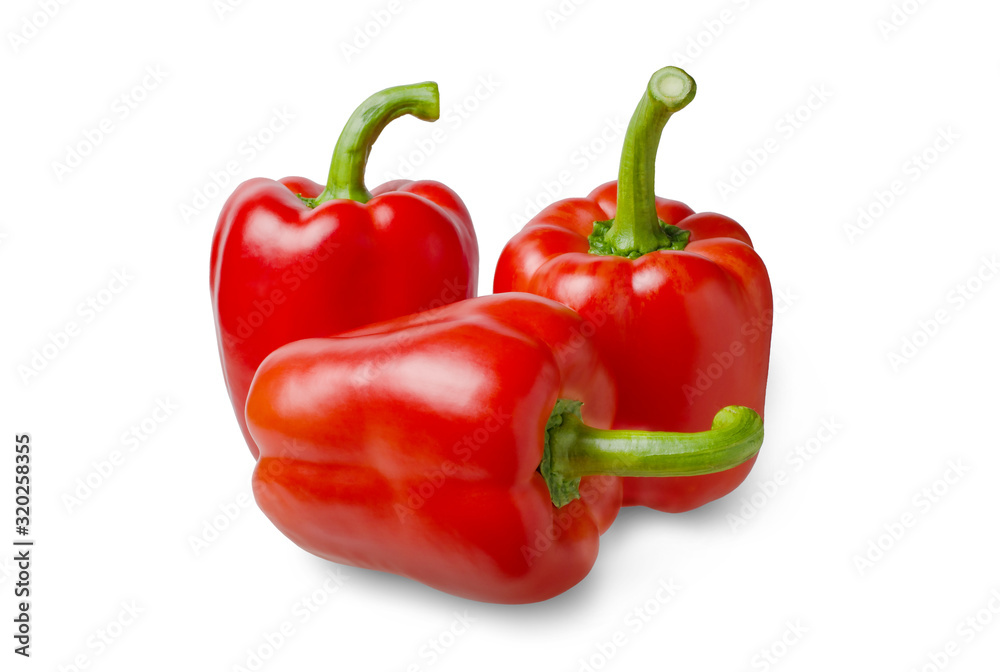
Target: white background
770 559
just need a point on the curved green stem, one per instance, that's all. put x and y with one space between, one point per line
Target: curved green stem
636 229
350 156
573 449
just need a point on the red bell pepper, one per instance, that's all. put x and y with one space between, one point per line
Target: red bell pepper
447 447
292 259
680 302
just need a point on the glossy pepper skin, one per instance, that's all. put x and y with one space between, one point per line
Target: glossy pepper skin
412 447
292 259
679 301
451 447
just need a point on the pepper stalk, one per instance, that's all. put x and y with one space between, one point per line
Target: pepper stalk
636 229
350 156
573 449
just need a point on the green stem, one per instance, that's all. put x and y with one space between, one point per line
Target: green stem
636 229
573 449
350 156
